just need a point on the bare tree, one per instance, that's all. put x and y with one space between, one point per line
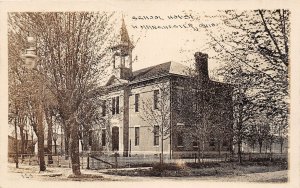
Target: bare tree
22 91
49 119
202 125
71 59
257 131
156 112
256 57
208 109
256 42
90 118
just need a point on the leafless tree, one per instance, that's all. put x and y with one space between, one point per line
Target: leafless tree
71 48
156 112
253 49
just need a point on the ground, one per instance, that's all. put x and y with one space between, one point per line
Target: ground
63 174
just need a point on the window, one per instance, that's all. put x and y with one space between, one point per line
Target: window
225 143
155 99
115 105
212 142
179 140
136 136
104 108
136 102
196 100
197 106
90 137
156 135
179 98
195 144
103 137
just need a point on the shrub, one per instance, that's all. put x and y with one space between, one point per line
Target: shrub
166 170
136 165
202 165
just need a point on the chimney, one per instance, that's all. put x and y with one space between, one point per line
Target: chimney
201 65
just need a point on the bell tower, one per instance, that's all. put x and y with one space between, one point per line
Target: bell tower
122 57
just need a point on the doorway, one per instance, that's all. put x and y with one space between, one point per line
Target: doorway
115 139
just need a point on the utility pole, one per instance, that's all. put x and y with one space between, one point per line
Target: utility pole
30 58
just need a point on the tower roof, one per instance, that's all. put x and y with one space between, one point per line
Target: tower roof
125 43
124 34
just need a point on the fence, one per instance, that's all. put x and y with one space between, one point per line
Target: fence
32 159
262 156
97 160
107 161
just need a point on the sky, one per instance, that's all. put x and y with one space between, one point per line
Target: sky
153 47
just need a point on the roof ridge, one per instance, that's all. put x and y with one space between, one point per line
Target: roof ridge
153 66
166 68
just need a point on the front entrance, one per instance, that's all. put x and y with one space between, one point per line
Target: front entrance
115 139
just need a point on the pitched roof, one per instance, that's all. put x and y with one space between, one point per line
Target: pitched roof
124 34
167 68
124 43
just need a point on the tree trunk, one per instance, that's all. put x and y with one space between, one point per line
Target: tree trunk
16 145
49 137
26 142
219 148
74 147
162 149
239 126
199 151
281 145
260 146
40 136
231 147
21 127
239 152
67 143
203 147
32 145
162 143
55 149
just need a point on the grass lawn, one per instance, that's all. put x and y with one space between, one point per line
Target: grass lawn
209 169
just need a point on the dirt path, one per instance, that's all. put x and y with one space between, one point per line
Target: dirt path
26 172
274 177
